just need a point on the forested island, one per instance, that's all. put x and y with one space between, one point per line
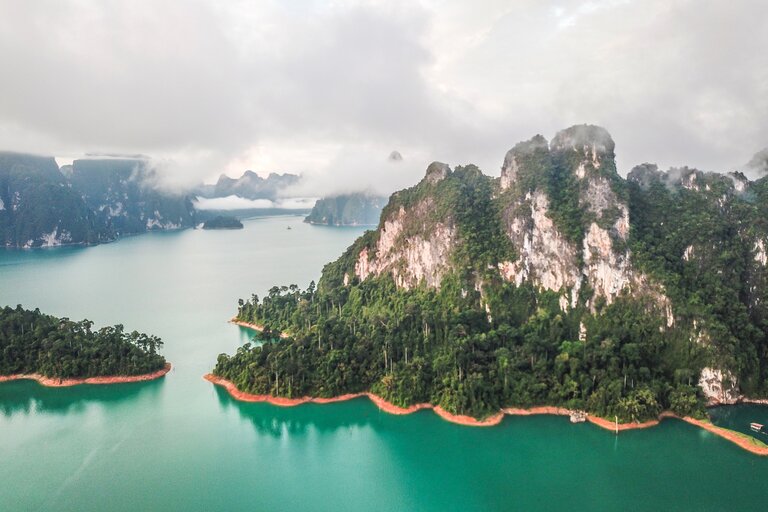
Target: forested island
559 283
59 351
223 222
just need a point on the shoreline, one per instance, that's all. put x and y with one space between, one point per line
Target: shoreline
741 440
54 382
255 327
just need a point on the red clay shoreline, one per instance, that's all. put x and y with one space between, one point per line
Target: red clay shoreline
742 442
106 379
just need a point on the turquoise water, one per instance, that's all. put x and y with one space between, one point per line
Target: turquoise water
180 443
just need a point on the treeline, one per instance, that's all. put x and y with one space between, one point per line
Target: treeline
434 346
33 342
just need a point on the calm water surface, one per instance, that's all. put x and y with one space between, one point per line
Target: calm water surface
182 444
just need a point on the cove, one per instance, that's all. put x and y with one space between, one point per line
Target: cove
181 443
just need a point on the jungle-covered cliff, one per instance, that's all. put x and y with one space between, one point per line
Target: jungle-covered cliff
559 283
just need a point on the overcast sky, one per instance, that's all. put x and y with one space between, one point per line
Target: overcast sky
328 89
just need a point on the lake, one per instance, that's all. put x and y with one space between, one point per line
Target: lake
181 443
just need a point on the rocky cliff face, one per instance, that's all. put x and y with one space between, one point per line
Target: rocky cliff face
38 208
410 259
579 162
586 260
412 246
92 201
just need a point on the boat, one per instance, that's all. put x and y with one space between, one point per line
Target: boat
757 427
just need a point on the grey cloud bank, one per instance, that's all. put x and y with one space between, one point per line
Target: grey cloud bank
330 89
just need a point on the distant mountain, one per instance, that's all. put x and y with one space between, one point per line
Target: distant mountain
358 209
250 186
91 201
38 207
123 192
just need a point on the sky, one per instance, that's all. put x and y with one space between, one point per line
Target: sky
329 89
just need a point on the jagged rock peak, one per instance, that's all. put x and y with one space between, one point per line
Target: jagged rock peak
514 159
583 137
592 147
436 172
676 178
645 175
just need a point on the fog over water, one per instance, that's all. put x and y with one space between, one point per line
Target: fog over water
329 89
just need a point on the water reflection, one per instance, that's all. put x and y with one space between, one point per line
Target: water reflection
248 336
29 397
277 421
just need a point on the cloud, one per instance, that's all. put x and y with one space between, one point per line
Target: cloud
330 89
240 203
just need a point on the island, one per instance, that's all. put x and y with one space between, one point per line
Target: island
559 286
61 352
223 222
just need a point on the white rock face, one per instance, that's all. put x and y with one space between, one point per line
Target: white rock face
719 386
546 258
607 271
409 260
688 254
159 224
760 253
509 171
51 239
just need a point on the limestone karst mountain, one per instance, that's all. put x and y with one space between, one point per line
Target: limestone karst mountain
558 283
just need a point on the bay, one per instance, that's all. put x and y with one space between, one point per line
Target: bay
180 443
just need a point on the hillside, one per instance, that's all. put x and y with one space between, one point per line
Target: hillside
123 193
559 283
358 209
39 208
91 201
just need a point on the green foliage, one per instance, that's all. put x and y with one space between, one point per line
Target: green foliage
32 342
700 244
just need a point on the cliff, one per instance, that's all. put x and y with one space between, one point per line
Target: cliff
38 207
123 192
91 201
559 282
357 209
